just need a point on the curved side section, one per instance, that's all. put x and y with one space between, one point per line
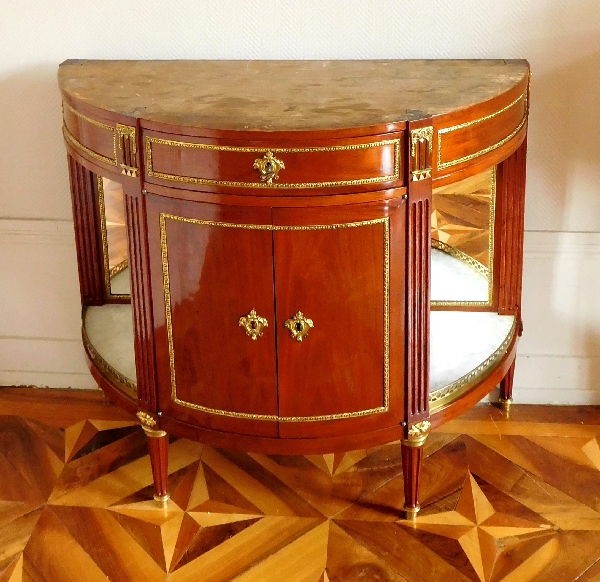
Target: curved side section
110 385
99 355
481 135
453 391
479 390
87 240
447 401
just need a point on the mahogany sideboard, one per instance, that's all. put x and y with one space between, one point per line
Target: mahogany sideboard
296 257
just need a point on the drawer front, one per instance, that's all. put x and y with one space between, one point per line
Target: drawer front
192 163
110 144
92 138
468 137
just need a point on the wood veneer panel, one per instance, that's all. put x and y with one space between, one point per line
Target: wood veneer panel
86 217
418 267
466 136
337 267
233 198
141 296
211 266
510 196
95 138
308 165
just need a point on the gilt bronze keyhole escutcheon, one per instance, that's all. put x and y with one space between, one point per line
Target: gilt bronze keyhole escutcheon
269 167
299 326
253 324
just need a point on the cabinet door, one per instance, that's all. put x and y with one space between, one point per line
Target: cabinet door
212 266
342 268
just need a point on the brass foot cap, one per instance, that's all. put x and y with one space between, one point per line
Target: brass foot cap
411 512
162 499
505 403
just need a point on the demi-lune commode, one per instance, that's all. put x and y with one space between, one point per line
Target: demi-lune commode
298 257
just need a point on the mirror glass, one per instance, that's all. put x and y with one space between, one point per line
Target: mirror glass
114 238
462 240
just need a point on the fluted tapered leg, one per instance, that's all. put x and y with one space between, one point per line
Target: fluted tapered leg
158 447
412 456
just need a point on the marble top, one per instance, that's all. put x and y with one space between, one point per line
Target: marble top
287 95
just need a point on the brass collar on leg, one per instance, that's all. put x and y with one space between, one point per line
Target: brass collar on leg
505 404
411 512
151 433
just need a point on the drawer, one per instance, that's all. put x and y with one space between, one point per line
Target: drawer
479 133
266 166
108 143
91 137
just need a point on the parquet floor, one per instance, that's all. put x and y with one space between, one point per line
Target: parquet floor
512 500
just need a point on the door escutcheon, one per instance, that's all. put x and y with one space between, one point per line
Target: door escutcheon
253 324
299 326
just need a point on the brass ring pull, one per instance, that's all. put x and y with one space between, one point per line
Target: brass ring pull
269 167
299 326
253 324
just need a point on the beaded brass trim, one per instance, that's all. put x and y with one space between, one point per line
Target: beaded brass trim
119 268
448 394
272 417
458 254
103 364
77 144
264 184
491 241
108 272
488 272
442 165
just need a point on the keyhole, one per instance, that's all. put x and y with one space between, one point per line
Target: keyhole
268 168
298 326
253 325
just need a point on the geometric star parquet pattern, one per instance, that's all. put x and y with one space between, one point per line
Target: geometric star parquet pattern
460 215
511 500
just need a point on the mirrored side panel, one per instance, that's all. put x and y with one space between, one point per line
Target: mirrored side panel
462 240
114 239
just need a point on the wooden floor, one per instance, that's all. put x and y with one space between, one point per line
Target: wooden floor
510 500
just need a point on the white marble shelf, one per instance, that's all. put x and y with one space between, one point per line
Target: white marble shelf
120 284
461 341
454 280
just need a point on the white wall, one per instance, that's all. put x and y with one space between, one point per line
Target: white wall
39 325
